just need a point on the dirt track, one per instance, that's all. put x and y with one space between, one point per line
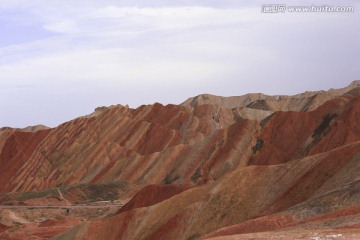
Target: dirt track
59 206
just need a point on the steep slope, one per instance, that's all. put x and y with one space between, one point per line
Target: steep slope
17 146
169 144
291 135
211 167
240 196
151 144
316 152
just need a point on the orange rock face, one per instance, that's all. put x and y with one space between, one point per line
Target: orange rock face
210 168
152 194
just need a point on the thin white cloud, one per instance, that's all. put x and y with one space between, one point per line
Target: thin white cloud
103 53
84 51
112 19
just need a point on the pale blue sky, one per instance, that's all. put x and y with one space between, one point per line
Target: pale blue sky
61 59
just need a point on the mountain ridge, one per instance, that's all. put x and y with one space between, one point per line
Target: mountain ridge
189 171
251 98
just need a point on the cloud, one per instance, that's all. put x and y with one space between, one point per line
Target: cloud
102 52
117 20
125 44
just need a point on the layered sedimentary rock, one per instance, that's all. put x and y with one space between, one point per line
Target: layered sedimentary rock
211 167
257 198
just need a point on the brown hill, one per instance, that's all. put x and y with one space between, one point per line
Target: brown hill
306 101
212 167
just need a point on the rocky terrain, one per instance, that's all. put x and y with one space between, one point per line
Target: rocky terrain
247 167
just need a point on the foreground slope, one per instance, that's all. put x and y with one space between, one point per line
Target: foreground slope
243 195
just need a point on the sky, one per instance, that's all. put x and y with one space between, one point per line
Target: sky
60 59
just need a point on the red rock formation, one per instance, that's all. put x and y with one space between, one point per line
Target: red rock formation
292 135
247 166
152 194
3 228
15 151
239 197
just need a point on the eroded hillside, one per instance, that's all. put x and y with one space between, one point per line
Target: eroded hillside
210 168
